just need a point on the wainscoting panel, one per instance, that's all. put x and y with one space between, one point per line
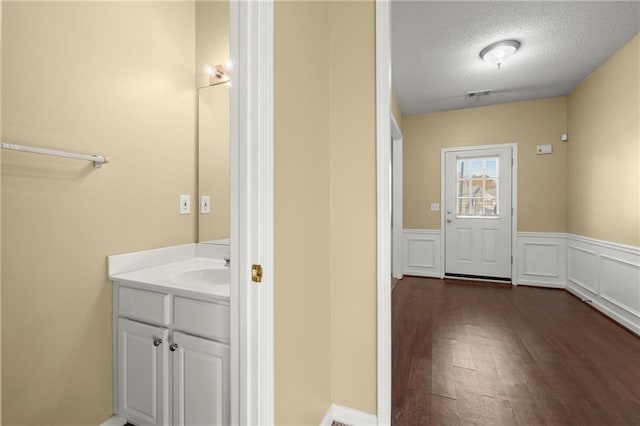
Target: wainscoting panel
541 259
583 266
607 275
604 274
421 252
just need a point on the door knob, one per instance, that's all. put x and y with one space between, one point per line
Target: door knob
157 342
173 347
449 220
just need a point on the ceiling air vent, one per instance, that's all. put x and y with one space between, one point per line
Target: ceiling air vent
479 93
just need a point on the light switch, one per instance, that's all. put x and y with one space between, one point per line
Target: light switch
435 207
205 204
185 204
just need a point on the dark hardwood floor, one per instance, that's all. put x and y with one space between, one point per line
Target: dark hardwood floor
472 353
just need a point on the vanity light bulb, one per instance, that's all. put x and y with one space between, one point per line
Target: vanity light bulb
209 69
228 65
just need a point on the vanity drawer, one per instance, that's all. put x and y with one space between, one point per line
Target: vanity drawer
144 305
202 318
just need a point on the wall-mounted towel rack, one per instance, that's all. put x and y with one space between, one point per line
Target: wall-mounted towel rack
98 160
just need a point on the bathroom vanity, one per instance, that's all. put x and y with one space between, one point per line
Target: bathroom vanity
171 336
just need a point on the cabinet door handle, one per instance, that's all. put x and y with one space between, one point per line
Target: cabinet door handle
173 347
157 341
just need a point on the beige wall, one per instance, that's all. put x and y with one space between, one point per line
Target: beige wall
325 255
604 157
395 109
353 204
111 78
212 36
542 179
302 291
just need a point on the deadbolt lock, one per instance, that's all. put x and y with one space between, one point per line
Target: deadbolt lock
256 273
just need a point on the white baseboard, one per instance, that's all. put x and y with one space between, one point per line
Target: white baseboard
607 274
580 293
348 416
115 421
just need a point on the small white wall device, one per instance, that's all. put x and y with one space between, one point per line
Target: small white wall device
544 149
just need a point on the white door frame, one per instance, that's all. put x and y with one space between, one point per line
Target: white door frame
251 136
396 146
383 206
514 200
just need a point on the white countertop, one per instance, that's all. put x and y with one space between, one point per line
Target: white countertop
164 273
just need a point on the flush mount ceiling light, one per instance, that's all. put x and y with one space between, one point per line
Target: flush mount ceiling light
499 51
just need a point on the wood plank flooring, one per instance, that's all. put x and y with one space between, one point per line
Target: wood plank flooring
472 353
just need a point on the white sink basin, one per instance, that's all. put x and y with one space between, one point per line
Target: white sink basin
204 276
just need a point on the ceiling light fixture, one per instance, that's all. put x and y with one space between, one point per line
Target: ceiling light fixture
499 51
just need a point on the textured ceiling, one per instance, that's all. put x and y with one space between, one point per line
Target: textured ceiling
436 46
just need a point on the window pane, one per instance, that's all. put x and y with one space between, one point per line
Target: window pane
463 188
476 168
491 188
462 168
478 187
490 207
464 207
492 167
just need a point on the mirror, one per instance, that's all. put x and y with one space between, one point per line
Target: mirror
212 48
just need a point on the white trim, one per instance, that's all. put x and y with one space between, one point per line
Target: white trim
397 231
327 420
616 295
514 199
349 416
606 244
115 421
383 208
252 212
611 313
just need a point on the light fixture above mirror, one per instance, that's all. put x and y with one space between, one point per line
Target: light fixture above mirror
218 73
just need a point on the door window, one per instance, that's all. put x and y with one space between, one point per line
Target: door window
478 187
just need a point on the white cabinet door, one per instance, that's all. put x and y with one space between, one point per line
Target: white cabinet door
200 381
143 373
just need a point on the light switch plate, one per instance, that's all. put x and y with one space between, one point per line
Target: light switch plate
435 207
185 204
205 204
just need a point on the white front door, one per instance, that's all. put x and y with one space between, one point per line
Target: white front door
478 212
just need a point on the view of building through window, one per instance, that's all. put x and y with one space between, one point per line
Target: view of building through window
478 185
